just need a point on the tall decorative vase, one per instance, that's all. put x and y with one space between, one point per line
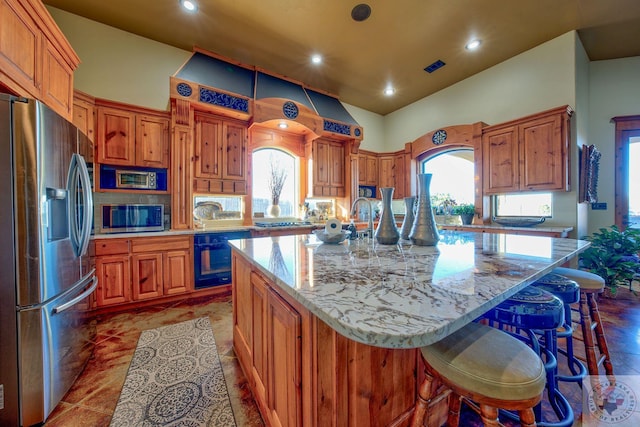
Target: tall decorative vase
409 217
424 231
387 232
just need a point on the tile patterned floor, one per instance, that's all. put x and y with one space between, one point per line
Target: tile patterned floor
93 397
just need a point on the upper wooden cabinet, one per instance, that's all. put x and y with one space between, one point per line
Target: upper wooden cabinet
367 169
529 154
383 170
328 168
36 60
132 137
220 155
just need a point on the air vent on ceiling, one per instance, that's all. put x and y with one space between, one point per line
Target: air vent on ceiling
438 64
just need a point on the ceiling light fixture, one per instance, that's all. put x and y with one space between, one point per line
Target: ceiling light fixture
473 44
316 59
389 91
190 5
283 125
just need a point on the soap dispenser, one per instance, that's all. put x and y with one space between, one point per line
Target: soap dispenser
354 231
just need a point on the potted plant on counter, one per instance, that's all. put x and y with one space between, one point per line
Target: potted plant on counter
466 212
613 255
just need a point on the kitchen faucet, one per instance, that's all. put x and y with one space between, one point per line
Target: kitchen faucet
354 212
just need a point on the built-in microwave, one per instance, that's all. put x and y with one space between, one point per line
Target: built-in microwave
132 218
132 178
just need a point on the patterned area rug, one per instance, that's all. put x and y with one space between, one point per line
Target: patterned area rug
175 378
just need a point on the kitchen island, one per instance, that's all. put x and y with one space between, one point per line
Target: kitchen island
329 334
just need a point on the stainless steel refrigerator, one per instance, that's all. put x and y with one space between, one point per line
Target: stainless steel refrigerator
46 209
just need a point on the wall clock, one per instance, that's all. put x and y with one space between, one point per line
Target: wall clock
439 136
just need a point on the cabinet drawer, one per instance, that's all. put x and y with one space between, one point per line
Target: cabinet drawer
150 244
112 246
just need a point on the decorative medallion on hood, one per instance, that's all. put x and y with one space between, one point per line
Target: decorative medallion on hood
290 110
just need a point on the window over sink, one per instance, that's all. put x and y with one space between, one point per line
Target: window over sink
265 161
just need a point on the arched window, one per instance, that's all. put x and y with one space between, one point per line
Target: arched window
453 176
267 162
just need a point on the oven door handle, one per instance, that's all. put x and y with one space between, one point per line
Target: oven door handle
211 246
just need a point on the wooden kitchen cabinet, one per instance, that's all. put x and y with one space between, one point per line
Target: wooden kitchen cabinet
367 169
132 137
392 174
84 117
143 268
328 174
529 154
284 358
36 60
113 270
220 155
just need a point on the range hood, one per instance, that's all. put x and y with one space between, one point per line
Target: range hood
249 93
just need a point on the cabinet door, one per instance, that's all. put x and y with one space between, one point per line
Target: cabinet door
500 160
147 275
386 177
208 148
542 154
152 141
259 350
57 81
283 362
84 119
114 279
321 165
116 136
400 179
362 169
19 47
235 152
242 313
336 159
372 170
177 272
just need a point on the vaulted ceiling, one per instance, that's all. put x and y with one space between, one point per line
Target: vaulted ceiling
392 47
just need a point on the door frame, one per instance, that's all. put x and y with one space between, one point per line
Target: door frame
626 127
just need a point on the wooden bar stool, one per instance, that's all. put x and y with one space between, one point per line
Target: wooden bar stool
486 367
590 285
534 316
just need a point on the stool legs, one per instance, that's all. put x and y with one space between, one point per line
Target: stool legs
590 321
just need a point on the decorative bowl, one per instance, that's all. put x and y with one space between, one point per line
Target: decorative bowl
325 237
518 221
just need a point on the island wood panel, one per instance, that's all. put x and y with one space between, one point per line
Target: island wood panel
310 374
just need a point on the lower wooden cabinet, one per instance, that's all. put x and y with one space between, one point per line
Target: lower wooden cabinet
303 373
143 268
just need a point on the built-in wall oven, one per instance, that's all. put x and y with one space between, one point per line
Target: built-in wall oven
212 257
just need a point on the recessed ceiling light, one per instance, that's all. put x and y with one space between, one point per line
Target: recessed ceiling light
283 125
190 5
389 91
473 44
316 59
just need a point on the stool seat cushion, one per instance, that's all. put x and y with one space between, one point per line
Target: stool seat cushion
530 308
561 286
489 362
588 281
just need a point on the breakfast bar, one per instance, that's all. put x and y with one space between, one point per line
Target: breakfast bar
329 334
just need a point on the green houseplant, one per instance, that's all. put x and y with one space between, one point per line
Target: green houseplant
466 212
613 255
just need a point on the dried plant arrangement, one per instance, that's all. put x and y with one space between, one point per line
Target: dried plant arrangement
277 178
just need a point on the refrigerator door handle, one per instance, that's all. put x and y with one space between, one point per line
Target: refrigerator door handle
87 195
79 229
85 294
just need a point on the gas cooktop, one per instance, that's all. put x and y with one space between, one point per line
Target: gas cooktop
283 224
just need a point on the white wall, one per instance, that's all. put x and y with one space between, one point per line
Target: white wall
614 90
536 80
373 128
120 66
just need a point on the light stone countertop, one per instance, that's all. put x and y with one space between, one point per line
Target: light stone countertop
405 296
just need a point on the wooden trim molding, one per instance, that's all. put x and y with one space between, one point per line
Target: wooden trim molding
626 127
